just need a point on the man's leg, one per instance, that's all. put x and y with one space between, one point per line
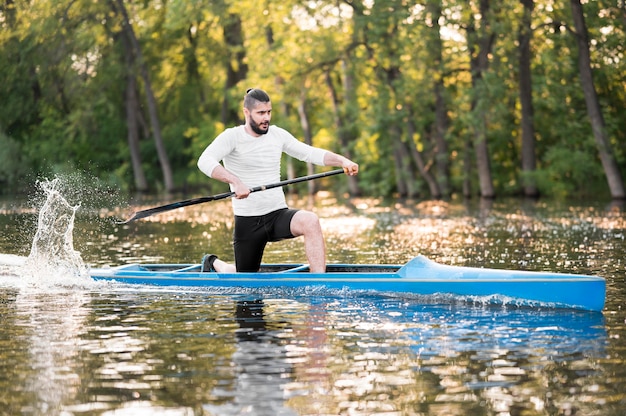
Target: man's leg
307 224
249 240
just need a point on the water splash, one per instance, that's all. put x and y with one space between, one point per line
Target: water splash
52 259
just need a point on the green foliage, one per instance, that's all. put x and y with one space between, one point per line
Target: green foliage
64 78
570 172
12 168
199 138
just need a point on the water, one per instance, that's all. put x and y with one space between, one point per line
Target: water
70 346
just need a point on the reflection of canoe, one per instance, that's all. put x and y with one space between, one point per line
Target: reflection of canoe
418 276
514 332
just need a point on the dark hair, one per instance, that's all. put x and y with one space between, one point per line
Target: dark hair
253 96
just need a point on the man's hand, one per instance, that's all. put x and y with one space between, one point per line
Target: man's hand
333 159
241 190
350 168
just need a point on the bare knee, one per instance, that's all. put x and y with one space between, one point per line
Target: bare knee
305 223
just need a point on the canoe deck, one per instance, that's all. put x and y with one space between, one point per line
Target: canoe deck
419 276
192 269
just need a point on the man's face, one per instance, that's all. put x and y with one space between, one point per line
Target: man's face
259 117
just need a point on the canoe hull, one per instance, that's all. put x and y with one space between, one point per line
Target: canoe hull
419 276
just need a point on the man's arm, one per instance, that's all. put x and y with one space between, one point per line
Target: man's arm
209 163
222 174
333 159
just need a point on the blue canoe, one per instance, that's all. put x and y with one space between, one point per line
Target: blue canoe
419 276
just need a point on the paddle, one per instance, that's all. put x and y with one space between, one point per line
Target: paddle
174 205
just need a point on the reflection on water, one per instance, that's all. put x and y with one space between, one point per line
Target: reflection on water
107 349
40 350
201 353
261 366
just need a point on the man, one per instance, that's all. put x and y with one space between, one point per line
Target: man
251 154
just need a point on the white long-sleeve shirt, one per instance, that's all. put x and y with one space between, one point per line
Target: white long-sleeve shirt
256 161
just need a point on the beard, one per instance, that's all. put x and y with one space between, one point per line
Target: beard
257 128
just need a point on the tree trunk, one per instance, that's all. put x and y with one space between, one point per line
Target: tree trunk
349 135
193 67
308 135
598 126
236 67
132 123
128 31
442 156
403 152
433 186
141 184
345 137
485 181
399 163
467 168
480 48
529 162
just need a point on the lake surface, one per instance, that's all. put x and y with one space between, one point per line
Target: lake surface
71 346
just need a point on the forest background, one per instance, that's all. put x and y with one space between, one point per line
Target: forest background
432 98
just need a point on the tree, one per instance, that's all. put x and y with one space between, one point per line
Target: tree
440 128
133 116
613 174
529 163
129 33
480 43
236 67
417 93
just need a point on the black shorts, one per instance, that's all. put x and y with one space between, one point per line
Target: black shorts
253 233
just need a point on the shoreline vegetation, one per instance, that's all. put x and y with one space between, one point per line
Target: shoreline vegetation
434 101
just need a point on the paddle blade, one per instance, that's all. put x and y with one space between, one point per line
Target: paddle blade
137 215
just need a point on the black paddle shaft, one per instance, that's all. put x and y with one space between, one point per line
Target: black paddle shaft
174 205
